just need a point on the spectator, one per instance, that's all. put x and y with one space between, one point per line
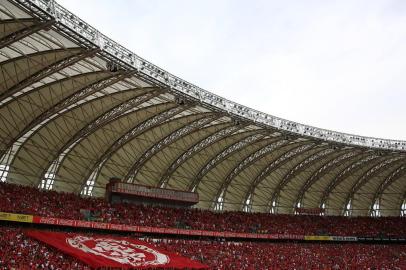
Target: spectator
28 200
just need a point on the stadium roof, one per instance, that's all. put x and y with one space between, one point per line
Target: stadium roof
77 108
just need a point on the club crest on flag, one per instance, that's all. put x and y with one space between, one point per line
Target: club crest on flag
119 250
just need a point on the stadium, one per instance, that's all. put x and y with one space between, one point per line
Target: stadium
108 161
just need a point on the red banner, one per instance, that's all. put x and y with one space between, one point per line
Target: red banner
145 229
107 251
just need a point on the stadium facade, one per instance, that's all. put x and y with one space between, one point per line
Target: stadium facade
78 108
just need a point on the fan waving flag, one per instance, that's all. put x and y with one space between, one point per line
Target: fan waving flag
118 252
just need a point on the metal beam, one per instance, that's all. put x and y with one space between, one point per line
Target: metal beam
47 70
391 178
297 170
113 114
64 105
325 167
13 25
280 160
35 10
343 174
136 131
314 177
185 130
248 161
24 32
213 162
366 176
196 148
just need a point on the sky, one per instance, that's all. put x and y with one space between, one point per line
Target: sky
339 65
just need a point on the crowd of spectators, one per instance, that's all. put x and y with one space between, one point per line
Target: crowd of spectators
18 251
29 200
254 255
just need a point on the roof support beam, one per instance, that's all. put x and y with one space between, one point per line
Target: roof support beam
34 10
325 167
104 119
302 166
297 170
280 160
64 105
248 161
24 32
365 177
196 148
212 163
136 131
47 70
343 174
13 25
395 175
206 118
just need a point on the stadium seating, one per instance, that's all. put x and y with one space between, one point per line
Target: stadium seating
20 252
28 200
251 255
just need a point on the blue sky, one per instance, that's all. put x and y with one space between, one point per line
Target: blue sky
338 65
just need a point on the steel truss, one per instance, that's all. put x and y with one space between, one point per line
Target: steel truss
366 176
297 170
347 171
251 159
206 118
279 161
83 31
136 131
106 118
395 175
196 148
212 163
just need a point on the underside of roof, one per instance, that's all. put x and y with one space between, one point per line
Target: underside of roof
77 108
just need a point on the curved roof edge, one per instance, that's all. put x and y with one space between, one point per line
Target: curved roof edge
179 86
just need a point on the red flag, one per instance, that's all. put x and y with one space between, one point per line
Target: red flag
108 251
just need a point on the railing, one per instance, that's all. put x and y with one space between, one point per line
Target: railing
191 91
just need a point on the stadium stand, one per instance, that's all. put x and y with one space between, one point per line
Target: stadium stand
251 255
29 200
21 252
